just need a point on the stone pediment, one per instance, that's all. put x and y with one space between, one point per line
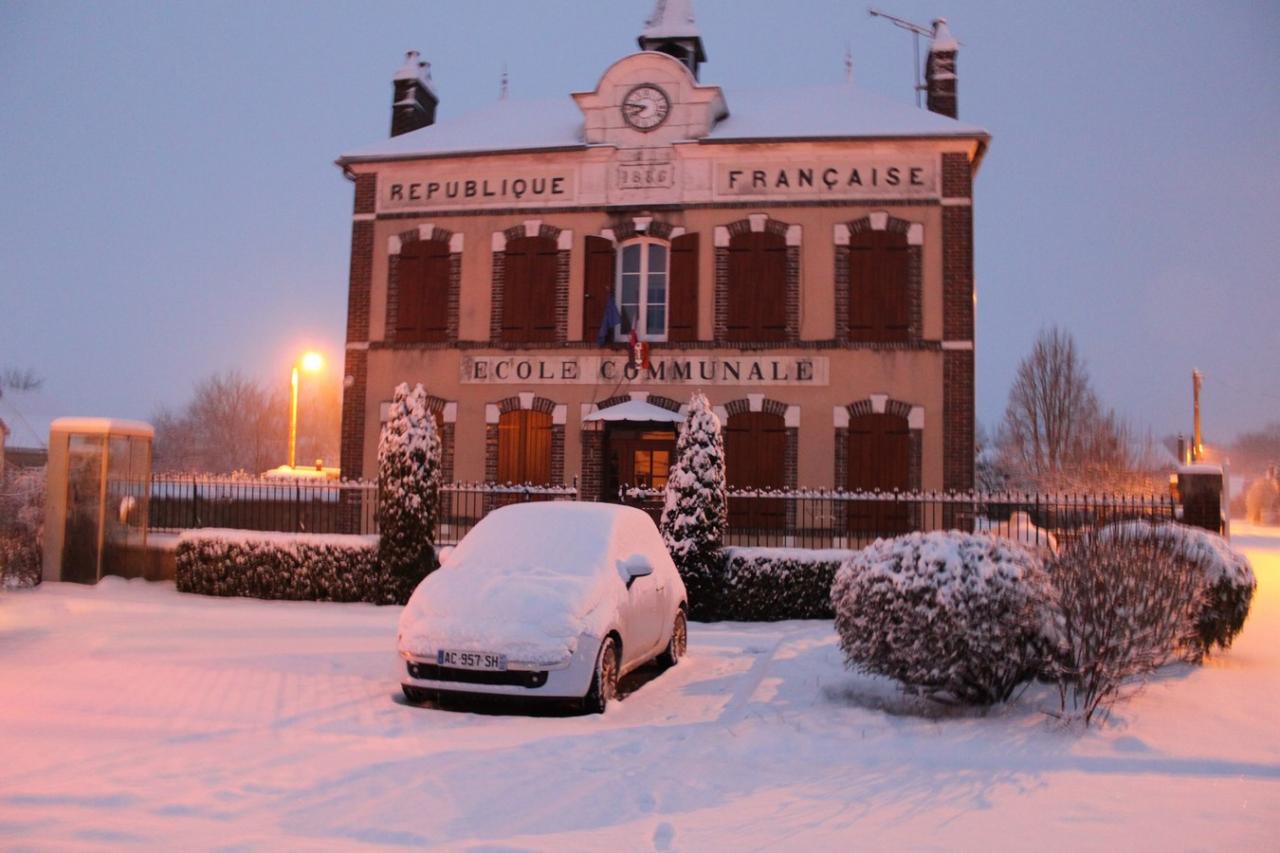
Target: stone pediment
693 108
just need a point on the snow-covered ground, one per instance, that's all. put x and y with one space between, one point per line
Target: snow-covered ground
131 715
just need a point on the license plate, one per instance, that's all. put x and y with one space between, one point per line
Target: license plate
471 660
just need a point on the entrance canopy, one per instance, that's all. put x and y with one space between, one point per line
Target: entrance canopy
635 410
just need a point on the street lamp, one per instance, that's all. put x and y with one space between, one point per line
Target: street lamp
311 362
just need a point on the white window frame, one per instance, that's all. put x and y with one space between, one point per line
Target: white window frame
642 320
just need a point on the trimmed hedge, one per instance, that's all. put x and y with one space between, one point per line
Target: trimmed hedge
289 566
768 585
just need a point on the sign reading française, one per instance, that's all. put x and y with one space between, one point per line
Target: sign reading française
667 369
827 179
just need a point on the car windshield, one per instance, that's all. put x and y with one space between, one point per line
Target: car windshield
563 537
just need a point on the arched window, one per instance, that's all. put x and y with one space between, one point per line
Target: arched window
529 290
755 445
879 458
879 289
422 291
642 289
757 293
524 447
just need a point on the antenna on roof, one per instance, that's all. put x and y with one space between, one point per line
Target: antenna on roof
502 86
916 30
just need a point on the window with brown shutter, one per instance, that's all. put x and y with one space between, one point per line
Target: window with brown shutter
682 322
597 287
879 454
422 292
524 447
879 294
755 446
757 297
529 290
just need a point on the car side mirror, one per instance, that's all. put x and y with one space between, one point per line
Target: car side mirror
636 566
445 553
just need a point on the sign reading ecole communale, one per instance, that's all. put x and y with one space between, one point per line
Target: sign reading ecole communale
667 369
676 181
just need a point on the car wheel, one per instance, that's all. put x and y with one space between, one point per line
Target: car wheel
678 643
604 685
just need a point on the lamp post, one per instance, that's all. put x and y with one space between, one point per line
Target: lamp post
310 362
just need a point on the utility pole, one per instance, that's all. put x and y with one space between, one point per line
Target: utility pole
1197 444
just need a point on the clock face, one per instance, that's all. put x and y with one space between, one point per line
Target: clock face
645 107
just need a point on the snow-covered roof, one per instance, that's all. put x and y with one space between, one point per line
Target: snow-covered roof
102 426
837 111
635 410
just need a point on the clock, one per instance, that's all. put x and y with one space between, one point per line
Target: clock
646 107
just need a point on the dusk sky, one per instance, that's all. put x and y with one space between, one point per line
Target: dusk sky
171 208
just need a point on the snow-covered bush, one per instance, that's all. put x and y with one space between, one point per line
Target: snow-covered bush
408 489
21 527
769 584
1228 579
1123 605
955 616
292 566
695 512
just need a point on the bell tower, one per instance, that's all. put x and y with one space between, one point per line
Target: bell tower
671 30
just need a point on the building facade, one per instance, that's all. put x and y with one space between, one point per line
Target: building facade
803 257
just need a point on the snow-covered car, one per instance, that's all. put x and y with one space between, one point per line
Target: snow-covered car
545 600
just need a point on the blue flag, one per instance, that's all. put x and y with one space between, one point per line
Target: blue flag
611 318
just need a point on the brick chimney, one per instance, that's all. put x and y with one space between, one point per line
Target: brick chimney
940 71
414 101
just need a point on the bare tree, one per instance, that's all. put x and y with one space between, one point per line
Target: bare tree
19 379
1056 433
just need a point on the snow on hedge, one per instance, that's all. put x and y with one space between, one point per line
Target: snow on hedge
294 566
771 584
957 616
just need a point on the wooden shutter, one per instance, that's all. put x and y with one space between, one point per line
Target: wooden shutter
597 284
682 289
529 290
879 295
422 312
879 455
757 309
524 447
755 458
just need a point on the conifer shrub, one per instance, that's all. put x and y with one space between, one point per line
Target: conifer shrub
957 617
408 490
695 509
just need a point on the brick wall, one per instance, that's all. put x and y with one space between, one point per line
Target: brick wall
355 387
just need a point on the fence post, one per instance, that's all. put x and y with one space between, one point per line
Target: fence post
195 500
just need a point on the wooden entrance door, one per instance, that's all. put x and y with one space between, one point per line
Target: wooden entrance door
638 455
879 454
755 445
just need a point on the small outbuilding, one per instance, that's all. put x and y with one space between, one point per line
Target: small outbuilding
99 482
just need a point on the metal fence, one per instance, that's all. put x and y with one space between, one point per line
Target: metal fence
800 518
805 518
321 506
